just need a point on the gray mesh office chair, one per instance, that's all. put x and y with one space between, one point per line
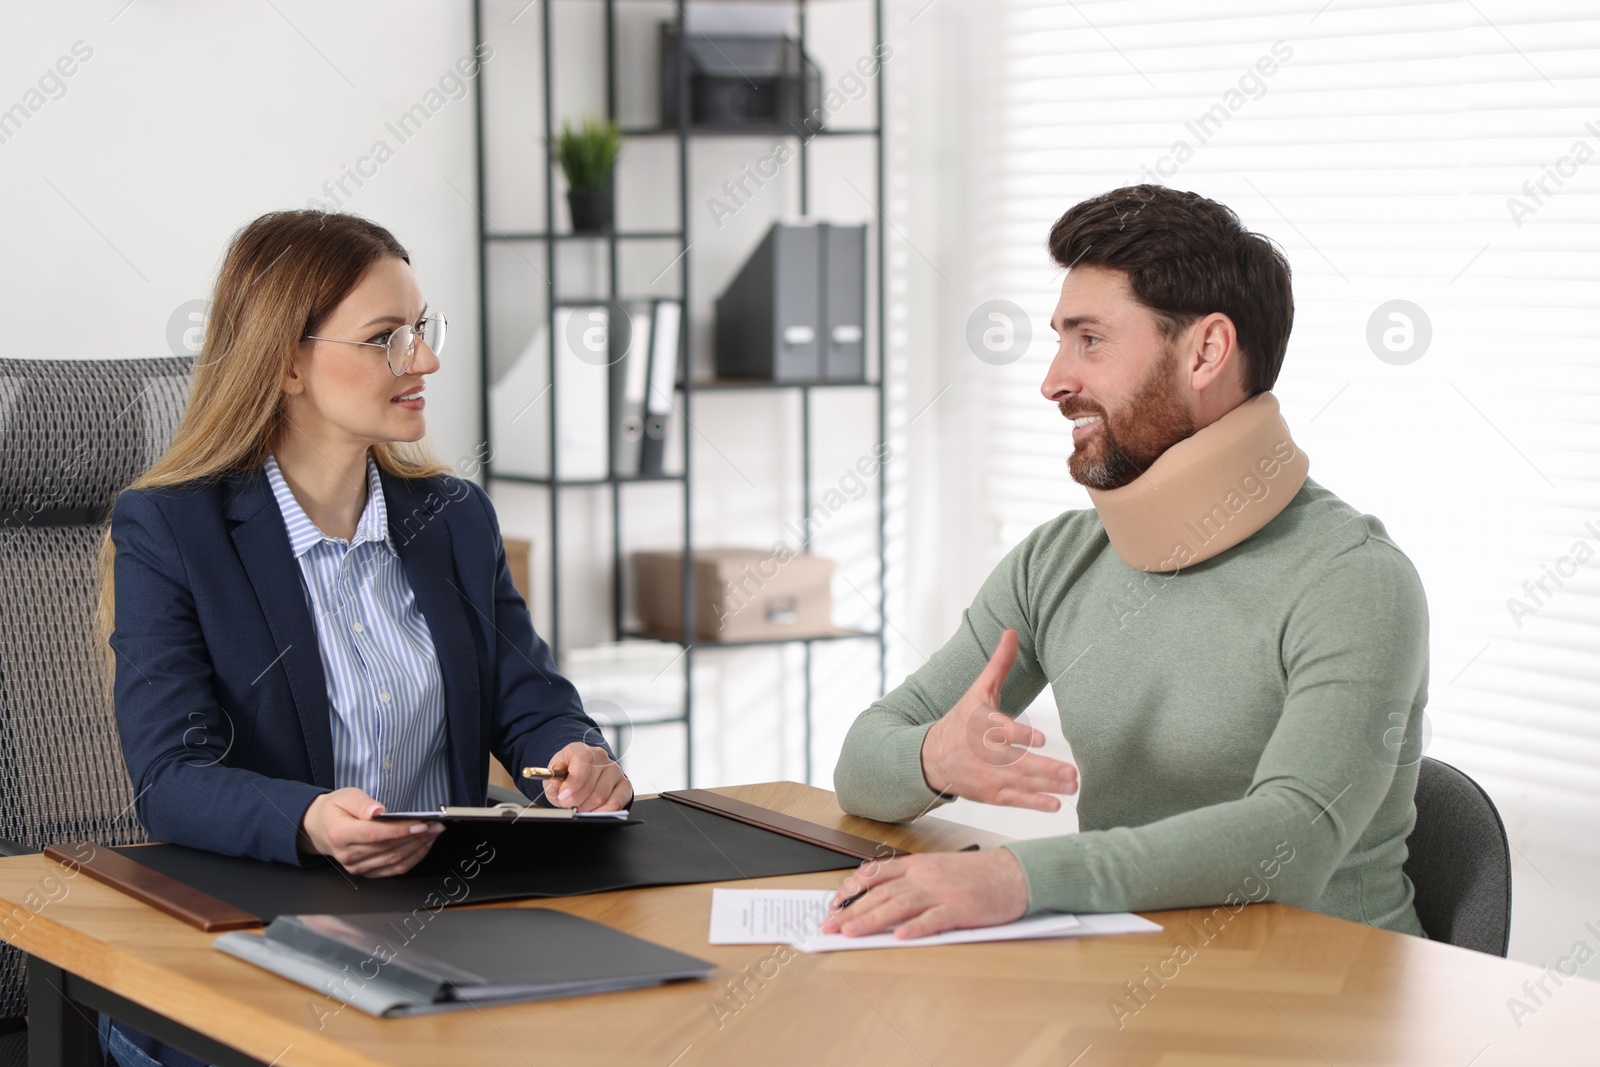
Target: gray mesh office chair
1460 863
73 434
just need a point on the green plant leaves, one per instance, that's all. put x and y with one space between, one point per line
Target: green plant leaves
588 154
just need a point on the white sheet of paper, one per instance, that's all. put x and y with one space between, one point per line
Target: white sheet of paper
767 916
794 917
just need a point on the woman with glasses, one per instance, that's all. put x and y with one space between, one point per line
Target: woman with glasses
311 620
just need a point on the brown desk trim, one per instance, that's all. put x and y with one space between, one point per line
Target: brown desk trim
788 825
177 899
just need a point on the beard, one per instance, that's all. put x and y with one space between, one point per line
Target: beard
1153 420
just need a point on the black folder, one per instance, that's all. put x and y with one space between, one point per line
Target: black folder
509 813
406 963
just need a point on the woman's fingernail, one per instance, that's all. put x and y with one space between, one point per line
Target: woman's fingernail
564 796
436 827
420 827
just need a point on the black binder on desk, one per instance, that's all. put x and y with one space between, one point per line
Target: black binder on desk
407 963
673 843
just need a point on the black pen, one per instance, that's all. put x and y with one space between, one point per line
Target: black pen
847 901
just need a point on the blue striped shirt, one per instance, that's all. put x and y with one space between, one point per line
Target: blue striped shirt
385 693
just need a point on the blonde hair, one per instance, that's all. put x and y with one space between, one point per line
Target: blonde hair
284 274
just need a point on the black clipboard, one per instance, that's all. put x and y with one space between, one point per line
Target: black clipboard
510 814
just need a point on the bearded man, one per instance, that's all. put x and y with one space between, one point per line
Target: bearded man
1239 658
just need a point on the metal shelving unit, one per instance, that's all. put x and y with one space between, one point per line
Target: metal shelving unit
688 387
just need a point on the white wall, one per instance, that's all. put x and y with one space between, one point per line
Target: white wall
189 119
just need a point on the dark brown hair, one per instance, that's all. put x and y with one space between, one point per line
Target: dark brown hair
1184 257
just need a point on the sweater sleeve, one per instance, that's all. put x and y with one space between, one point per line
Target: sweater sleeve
879 774
1355 654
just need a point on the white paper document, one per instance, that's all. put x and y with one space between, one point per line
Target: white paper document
795 916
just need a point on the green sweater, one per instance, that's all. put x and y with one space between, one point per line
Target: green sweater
1245 729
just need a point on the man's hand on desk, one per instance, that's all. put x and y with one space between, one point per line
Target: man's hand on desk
916 896
972 750
594 781
340 824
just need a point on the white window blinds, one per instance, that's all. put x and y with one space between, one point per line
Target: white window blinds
1442 154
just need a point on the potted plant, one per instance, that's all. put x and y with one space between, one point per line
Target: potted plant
588 157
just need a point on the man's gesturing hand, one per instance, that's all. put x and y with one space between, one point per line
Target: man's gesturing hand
972 751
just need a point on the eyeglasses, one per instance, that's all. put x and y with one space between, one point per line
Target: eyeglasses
401 348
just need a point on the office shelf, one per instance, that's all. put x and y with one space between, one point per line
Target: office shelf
673 719
727 384
744 131
585 301
686 136
595 235
841 634
615 479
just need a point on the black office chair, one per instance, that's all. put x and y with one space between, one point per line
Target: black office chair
73 434
1460 863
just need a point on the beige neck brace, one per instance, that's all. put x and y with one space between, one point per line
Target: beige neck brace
1208 492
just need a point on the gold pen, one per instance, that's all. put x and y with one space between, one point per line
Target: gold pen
542 772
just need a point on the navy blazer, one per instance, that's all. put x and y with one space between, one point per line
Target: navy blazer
221 699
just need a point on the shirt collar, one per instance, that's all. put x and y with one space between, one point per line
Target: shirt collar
303 533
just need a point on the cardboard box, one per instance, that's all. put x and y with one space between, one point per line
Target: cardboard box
517 552
740 594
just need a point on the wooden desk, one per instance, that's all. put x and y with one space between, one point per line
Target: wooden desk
1275 985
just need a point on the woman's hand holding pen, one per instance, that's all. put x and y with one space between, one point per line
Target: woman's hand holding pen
340 824
587 778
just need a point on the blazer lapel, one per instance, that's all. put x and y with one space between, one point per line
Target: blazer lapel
262 541
422 538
